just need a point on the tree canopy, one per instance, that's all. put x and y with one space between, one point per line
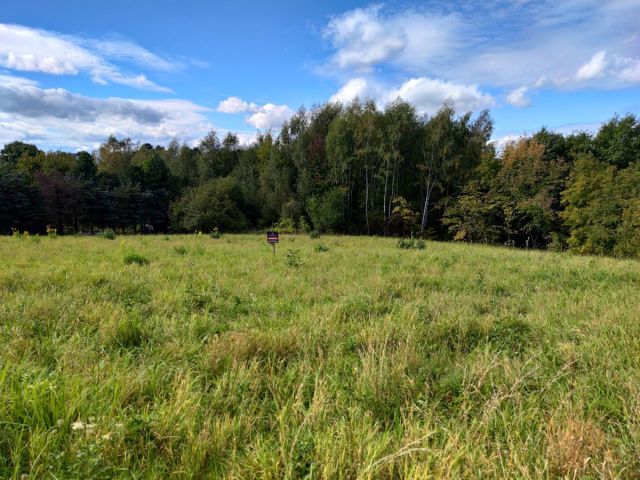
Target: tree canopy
352 169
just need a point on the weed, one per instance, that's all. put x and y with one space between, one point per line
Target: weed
131 258
293 258
320 248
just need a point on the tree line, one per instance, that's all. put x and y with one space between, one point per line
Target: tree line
353 169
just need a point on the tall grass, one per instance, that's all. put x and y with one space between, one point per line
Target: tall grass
215 358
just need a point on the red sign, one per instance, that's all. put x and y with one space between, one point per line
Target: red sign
272 237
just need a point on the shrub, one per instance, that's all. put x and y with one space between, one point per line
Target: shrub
321 248
406 243
412 244
303 225
285 225
136 258
108 234
314 234
215 233
180 250
51 232
293 258
327 210
218 203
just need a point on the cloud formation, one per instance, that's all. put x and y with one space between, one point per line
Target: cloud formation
518 97
499 44
365 37
27 49
427 95
594 68
263 117
55 117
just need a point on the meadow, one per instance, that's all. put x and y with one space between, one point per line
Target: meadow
337 357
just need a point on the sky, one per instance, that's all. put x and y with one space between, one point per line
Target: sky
74 72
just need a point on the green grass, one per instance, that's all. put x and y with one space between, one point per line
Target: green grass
213 358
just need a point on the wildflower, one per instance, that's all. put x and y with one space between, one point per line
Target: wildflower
78 425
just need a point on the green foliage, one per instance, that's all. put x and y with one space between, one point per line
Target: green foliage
180 250
314 234
215 233
327 210
411 243
135 258
293 258
285 225
350 169
214 204
403 219
320 248
601 208
108 234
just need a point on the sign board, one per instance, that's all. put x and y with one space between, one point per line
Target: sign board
272 237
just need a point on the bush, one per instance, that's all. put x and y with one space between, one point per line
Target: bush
327 211
108 234
285 225
320 248
215 233
314 234
406 243
180 250
218 203
293 258
136 258
303 225
412 244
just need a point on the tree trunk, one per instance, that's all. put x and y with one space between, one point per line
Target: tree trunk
425 210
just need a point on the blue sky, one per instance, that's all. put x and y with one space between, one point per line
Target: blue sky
74 72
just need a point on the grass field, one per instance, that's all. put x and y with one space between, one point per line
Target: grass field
194 357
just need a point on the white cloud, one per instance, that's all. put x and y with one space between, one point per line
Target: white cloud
501 142
494 44
263 117
366 36
30 50
57 118
504 139
270 116
518 98
235 105
594 68
426 94
354 88
630 71
129 51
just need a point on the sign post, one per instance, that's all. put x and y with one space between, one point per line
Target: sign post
273 238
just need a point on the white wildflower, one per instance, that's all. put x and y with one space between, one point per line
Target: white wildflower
77 425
